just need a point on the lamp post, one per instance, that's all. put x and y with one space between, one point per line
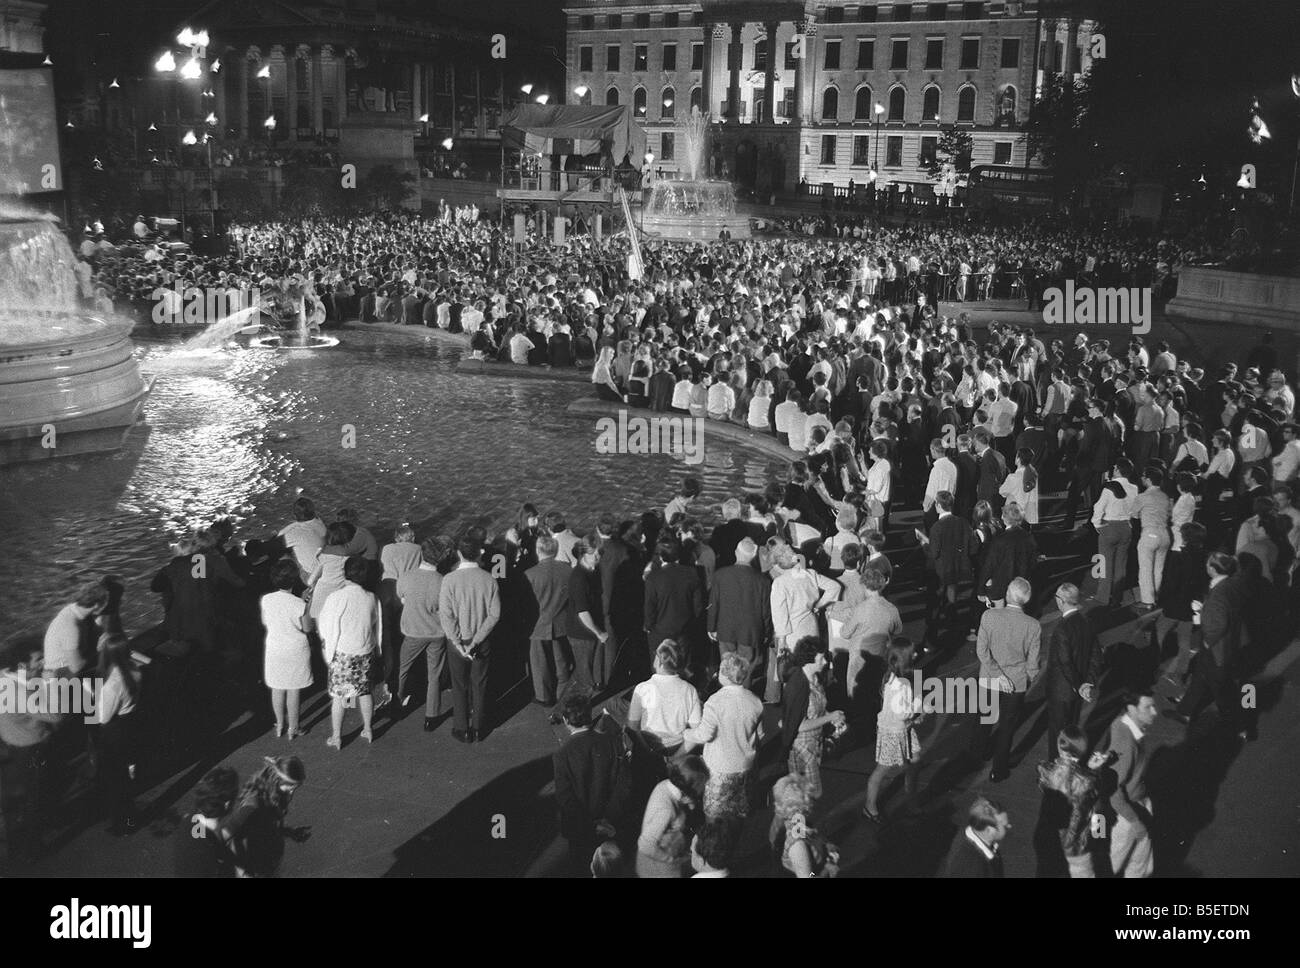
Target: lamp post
1295 167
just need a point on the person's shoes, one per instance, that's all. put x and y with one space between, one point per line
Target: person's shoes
368 736
334 742
461 736
430 724
473 735
279 730
295 733
996 777
1176 716
872 817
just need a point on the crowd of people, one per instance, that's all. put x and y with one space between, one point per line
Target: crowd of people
657 637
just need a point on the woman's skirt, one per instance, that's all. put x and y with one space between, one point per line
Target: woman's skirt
806 760
350 675
727 795
897 747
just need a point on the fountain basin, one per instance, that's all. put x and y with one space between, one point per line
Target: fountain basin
695 211
76 393
292 341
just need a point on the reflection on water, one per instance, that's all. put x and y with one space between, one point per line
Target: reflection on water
243 433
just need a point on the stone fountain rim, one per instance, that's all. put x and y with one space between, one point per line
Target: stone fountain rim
112 331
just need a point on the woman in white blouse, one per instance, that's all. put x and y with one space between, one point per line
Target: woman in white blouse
287 663
897 748
1193 448
351 626
798 596
1112 517
879 478
665 705
759 405
602 377
1021 486
1218 476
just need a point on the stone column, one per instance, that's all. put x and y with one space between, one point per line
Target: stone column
735 52
417 92
1049 36
317 91
340 87
804 73
291 93
241 64
769 79
706 70
1071 45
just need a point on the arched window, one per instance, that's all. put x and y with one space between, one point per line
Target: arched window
831 105
669 103
966 104
862 105
897 104
611 96
930 104
1007 106
638 102
697 99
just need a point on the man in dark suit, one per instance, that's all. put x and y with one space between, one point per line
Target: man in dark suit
727 535
411 308
548 649
1073 666
559 349
1094 459
674 600
740 613
992 469
1012 553
367 311
968 473
1215 667
622 592
974 850
593 782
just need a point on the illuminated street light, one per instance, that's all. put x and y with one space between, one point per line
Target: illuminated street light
191 70
269 123
185 38
47 62
216 65
581 90
880 108
265 72
447 143
166 62
649 157
114 84
153 127
527 89
211 118
424 119
543 98
190 138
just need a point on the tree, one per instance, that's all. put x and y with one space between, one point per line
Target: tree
1062 133
954 148
385 187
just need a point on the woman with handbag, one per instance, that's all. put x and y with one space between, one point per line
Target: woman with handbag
672 815
897 747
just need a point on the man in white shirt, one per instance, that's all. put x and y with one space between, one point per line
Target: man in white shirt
1002 423
943 477
1286 465
63 654
520 346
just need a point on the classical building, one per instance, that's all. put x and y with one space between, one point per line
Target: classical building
21 31
823 92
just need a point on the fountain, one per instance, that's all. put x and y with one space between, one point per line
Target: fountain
69 383
291 300
692 208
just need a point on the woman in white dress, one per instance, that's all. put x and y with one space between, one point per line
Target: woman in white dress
287 663
1021 486
897 748
328 575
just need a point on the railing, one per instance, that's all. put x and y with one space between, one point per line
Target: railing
584 179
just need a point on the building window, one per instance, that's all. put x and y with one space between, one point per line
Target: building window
670 57
638 102
586 22
1002 152
1006 116
760 55
897 104
697 57
667 145
934 54
898 55
831 105
861 150
672 19
642 21
966 104
612 65
930 104
866 55
867 13
902 13
972 11
584 58
832 59
828 149
791 62
786 108
669 103
835 15
640 57
894 151
936 11
697 100
611 96
929 149
862 105
615 21
1010 53
970 54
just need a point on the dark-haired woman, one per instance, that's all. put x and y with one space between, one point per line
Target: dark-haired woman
255 827
305 536
804 715
672 815
351 628
201 850
522 539
287 663
115 743
328 574
897 748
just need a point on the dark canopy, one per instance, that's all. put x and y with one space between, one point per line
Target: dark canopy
536 127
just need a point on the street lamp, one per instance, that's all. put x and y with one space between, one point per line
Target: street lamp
165 63
527 89
447 143
581 90
543 98
190 138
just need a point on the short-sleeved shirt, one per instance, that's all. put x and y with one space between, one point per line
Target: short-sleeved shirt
584 596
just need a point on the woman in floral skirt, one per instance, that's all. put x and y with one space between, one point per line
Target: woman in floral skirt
897 748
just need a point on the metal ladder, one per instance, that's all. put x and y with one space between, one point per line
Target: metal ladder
631 232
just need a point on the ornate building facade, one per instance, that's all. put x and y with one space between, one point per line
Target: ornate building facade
826 92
